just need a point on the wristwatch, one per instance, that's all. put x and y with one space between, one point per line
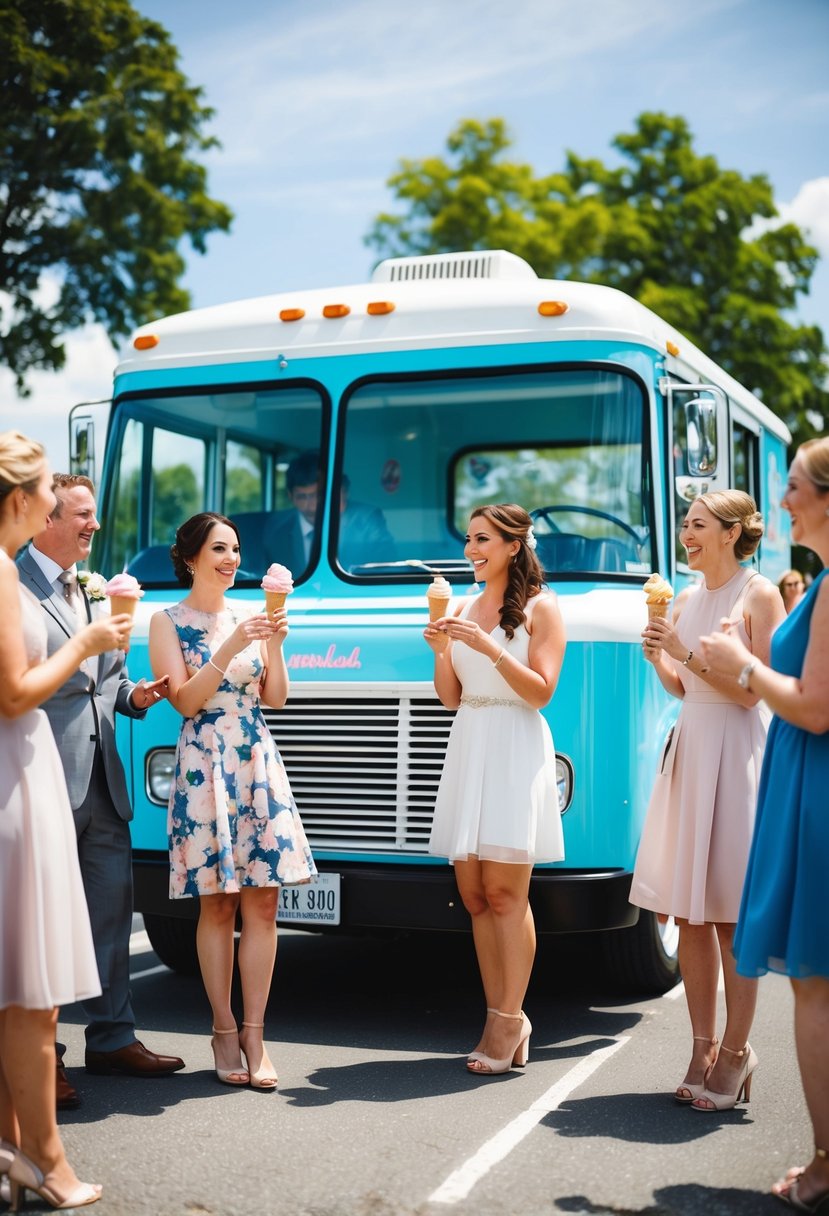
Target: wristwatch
744 678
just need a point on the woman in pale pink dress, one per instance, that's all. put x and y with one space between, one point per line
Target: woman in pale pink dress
46 954
694 850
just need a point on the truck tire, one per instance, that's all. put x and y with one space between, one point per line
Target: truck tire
174 940
644 957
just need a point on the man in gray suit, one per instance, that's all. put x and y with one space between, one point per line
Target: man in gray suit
82 715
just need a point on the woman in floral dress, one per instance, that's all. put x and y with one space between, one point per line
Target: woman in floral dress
235 835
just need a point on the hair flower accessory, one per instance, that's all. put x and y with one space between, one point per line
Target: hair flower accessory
530 540
94 584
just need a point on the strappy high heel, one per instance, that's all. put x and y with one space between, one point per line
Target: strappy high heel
266 1081
694 1091
729 1101
517 1058
479 1055
26 1176
818 1205
224 1074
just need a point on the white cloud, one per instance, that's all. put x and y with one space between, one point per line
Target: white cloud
809 209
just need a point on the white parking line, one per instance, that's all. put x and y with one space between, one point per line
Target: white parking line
461 1181
139 975
140 943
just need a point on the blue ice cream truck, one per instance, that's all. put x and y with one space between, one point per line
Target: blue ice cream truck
442 383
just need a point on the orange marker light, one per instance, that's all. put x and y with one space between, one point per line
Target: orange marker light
146 341
671 348
379 308
336 310
291 314
553 308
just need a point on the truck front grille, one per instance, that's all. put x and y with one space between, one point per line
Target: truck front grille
364 769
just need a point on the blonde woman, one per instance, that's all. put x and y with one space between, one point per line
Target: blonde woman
46 954
695 842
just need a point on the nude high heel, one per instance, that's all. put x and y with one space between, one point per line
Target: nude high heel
487 1066
7 1155
479 1055
787 1189
687 1088
224 1074
26 1176
729 1101
266 1081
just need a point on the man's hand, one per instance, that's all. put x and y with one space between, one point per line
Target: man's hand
145 695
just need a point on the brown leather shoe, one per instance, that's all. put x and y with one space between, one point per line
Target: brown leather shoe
67 1095
134 1060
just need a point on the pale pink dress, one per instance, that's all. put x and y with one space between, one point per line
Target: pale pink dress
694 850
46 952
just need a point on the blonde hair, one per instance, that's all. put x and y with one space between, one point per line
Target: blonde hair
814 455
732 507
21 463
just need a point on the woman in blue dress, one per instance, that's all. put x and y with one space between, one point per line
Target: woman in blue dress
235 835
784 916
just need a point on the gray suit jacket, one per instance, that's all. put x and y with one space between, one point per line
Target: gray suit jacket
84 709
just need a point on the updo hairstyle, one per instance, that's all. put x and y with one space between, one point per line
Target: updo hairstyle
21 463
526 577
732 507
814 456
190 540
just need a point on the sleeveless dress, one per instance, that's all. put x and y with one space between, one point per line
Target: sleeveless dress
694 849
46 953
497 799
232 820
784 916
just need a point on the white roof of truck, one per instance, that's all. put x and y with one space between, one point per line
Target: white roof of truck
445 300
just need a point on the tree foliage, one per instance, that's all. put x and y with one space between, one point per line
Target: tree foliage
100 132
692 241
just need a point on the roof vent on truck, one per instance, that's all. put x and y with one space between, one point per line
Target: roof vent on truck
482 264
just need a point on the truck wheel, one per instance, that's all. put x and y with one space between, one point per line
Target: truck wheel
644 957
174 940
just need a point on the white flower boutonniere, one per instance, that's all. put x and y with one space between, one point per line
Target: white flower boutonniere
94 585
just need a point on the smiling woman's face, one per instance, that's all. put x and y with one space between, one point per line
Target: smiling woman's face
219 557
486 548
806 504
704 537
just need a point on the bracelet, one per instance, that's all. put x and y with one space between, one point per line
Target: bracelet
685 662
216 665
500 658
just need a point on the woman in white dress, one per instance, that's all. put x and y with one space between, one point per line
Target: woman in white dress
694 850
497 812
46 953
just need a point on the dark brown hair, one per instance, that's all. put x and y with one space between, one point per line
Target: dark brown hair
191 538
526 577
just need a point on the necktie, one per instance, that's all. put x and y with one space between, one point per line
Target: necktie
70 587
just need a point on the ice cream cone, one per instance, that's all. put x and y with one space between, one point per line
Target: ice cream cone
123 603
274 600
658 611
437 609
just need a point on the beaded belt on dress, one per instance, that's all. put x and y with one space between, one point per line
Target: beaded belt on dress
479 702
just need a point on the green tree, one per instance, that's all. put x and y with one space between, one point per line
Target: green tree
669 226
99 176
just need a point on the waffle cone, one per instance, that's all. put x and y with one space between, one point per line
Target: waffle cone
122 603
274 600
437 609
658 611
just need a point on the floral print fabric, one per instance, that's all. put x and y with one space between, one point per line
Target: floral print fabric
232 820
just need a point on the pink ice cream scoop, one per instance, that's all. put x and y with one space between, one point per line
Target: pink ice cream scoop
277 584
124 586
279 579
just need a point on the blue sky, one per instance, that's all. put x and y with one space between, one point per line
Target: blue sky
317 101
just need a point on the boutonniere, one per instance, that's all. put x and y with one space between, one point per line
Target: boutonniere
94 585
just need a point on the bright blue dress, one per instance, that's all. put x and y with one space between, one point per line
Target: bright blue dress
784 916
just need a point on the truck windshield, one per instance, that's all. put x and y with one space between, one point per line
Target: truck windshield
566 444
251 454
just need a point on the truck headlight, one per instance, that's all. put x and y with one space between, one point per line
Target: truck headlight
160 767
564 782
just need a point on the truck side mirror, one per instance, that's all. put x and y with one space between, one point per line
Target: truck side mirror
701 436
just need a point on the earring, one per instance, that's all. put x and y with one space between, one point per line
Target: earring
190 569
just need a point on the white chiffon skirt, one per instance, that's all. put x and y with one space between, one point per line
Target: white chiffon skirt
46 953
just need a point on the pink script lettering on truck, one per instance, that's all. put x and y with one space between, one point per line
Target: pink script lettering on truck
329 659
